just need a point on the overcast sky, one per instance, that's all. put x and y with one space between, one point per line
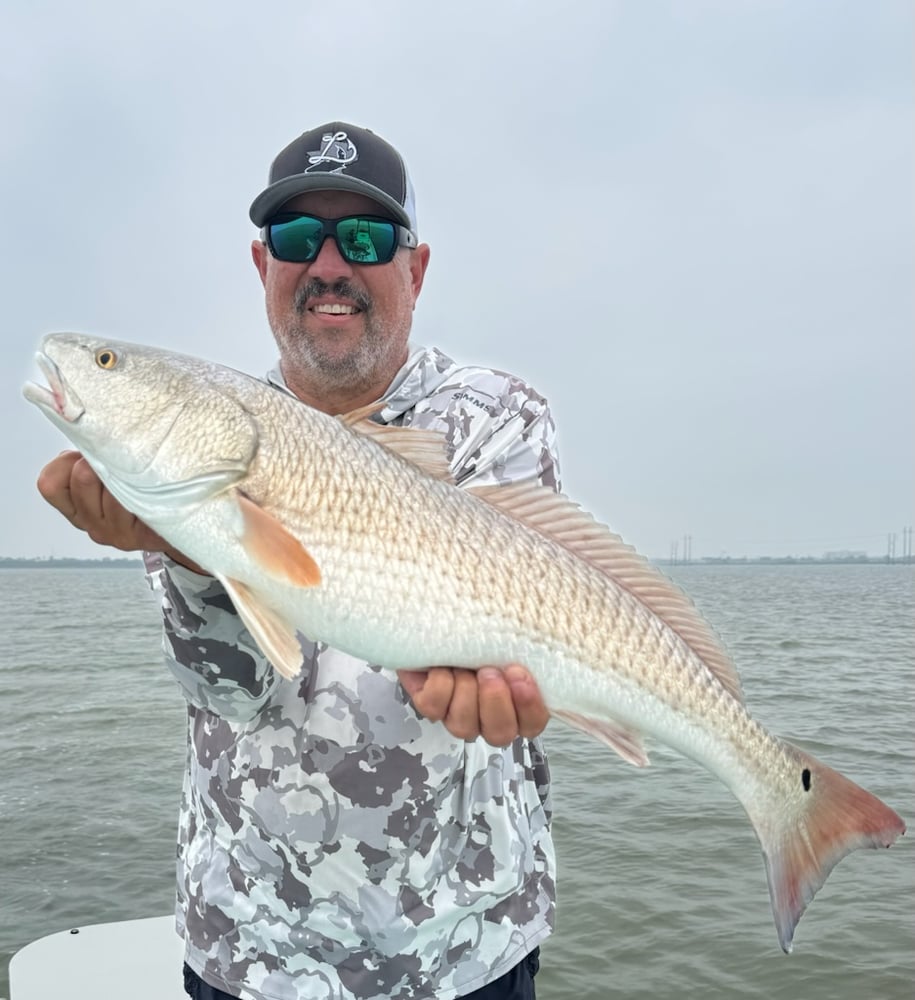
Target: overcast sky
688 224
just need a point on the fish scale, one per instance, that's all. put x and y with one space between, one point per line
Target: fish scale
351 533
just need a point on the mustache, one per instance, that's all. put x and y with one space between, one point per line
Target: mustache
341 289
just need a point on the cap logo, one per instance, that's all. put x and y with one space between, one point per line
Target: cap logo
337 152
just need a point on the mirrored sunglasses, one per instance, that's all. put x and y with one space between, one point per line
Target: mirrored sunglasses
361 239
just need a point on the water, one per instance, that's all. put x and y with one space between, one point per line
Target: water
663 892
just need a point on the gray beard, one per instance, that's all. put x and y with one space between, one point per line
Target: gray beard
355 371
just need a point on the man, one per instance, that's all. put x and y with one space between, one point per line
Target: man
345 834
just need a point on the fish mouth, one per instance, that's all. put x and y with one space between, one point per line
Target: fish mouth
58 399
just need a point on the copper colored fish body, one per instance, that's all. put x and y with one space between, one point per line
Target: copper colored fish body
352 533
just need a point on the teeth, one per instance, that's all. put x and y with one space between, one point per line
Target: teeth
335 309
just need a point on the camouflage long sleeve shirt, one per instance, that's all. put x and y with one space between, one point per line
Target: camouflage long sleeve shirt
332 842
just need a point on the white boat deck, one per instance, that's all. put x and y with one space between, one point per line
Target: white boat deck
99 962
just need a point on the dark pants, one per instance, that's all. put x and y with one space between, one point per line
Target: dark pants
516 984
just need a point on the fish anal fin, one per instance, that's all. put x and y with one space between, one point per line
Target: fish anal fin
274 548
626 742
558 518
424 448
276 638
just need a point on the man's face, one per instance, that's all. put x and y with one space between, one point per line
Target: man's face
342 328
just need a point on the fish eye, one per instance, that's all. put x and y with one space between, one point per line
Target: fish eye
106 358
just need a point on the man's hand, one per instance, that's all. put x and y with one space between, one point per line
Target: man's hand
498 705
70 485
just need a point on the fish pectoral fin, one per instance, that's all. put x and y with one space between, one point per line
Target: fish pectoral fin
626 742
274 548
276 638
425 448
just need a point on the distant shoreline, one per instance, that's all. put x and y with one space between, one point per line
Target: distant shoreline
118 562
788 561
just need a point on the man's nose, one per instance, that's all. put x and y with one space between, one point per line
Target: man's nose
330 265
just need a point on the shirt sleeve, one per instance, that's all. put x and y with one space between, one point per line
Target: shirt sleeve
210 652
498 429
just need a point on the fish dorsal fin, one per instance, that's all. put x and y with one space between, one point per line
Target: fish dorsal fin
273 548
557 517
275 637
424 448
362 413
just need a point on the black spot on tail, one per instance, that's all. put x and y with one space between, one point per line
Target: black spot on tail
805 778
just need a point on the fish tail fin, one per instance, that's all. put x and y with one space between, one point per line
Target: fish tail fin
831 817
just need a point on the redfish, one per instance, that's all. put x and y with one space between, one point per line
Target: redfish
352 533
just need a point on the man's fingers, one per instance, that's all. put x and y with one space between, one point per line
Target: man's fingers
87 493
530 710
70 484
498 717
412 681
121 523
54 482
463 716
444 694
498 705
429 690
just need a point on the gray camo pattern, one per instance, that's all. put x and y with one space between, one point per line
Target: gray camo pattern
332 842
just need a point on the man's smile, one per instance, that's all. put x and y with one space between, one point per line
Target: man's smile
335 309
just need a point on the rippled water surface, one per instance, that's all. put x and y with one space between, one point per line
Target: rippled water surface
663 891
